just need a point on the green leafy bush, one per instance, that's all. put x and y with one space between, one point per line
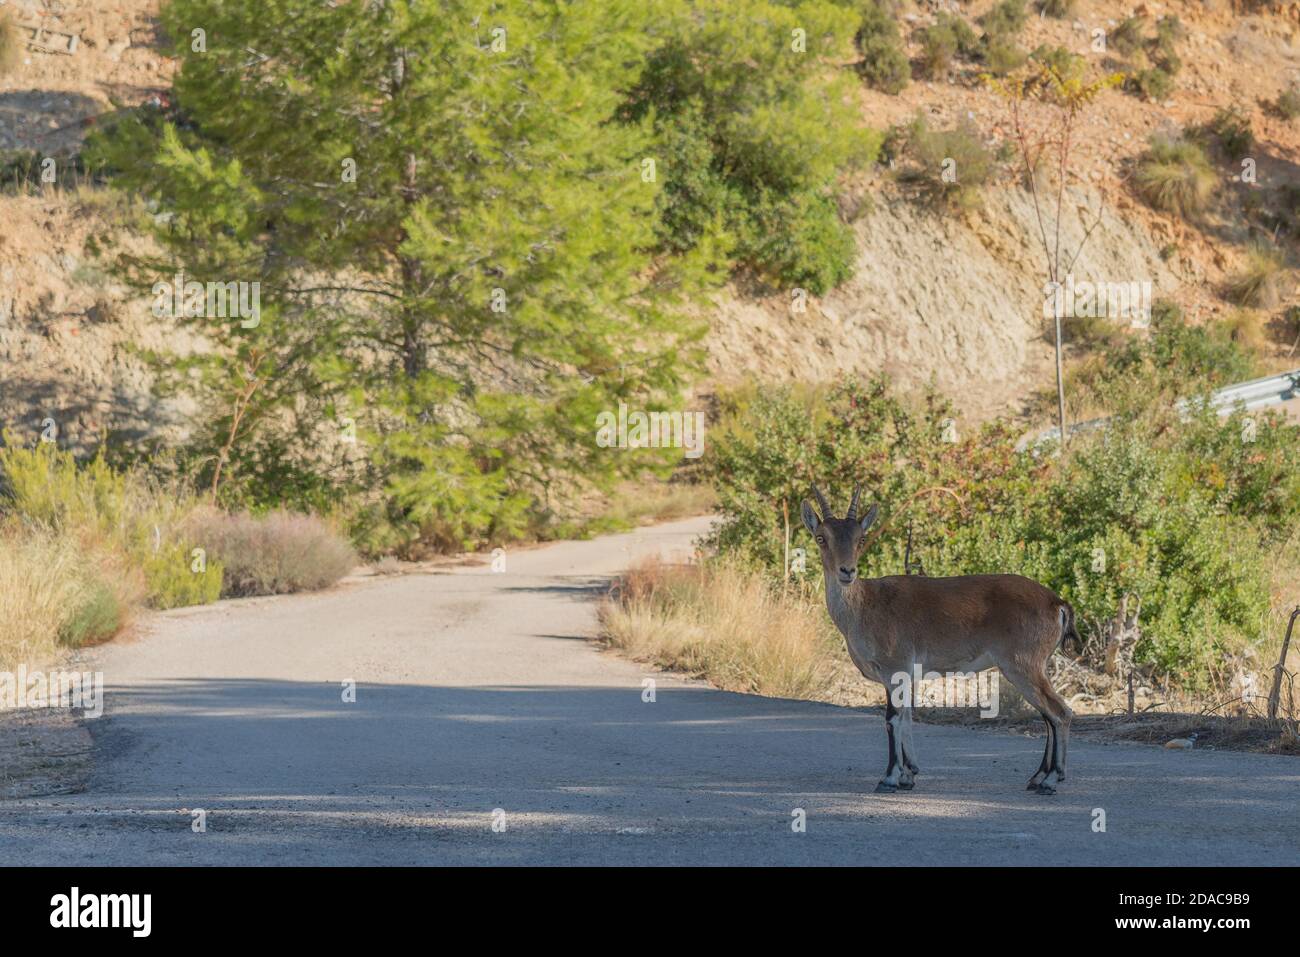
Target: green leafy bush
97 613
938 47
1287 104
131 521
1001 55
1066 65
176 578
1127 38
801 240
967 40
1231 130
948 37
1005 19
1176 359
754 138
950 166
883 65
1152 83
1183 512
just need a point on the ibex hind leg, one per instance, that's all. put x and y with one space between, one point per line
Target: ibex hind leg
906 769
1061 730
909 749
1037 690
1046 764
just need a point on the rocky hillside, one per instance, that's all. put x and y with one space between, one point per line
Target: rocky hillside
953 298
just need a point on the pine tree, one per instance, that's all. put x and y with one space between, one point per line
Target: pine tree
453 240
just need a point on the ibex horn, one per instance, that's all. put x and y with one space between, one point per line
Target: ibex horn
821 501
853 505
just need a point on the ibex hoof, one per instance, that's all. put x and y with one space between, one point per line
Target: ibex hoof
1045 789
886 788
1032 785
906 785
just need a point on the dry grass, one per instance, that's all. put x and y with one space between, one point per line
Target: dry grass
644 503
11 43
1263 281
1246 328
272 554
83 546
57 592
720 622
1175 176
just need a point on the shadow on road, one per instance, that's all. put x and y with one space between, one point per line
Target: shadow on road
414 774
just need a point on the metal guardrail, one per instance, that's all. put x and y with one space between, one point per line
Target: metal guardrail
1255 394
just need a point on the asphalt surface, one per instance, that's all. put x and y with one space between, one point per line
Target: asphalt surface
479 703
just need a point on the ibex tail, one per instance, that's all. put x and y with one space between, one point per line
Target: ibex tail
1068 631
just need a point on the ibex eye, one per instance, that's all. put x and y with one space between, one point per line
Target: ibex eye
821 539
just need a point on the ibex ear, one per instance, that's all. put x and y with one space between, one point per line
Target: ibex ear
869 519
810 519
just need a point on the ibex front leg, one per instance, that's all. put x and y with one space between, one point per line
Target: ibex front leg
897 774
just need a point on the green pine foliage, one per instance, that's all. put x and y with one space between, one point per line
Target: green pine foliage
754 130
453 220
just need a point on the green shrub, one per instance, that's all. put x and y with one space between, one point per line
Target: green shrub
97 613
1006 18
1231 130
884 65
938 47
689 207
1066 65
120 513
1155 59
1126 38
1169 30
272 554
1163 48
176 578
1175 360
1002 56
967 40
1185 513
1287 104
1152 83
752 138
801 241
56 592
1175 176
950 165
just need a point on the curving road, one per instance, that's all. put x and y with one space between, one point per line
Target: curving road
476 692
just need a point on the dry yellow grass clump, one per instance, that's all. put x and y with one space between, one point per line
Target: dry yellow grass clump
720 622
58 593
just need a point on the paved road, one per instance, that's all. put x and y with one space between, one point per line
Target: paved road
476 691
